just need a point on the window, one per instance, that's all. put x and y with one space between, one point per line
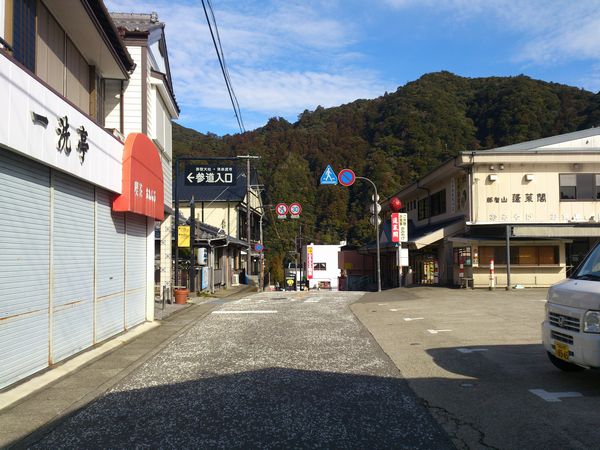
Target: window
438 203
24 32
579 186
526 255
320 266
423 209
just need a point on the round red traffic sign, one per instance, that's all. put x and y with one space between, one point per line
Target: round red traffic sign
282 209
346 177
295 209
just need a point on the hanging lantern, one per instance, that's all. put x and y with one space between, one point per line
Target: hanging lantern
395 204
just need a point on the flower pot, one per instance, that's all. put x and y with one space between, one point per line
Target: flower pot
181 296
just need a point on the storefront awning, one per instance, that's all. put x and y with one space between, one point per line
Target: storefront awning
428 237
556 231
143 188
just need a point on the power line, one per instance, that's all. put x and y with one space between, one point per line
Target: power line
221 57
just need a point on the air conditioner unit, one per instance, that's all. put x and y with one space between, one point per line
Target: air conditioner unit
529 177
202 256
492 177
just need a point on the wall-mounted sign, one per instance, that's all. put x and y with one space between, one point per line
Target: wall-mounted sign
209 175
183 236
64 137
403 227
395 224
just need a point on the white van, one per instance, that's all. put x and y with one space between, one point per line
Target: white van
571 331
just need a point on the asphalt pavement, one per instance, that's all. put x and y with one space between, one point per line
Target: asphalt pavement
272 370
476 359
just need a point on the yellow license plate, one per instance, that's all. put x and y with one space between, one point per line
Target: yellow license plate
561 350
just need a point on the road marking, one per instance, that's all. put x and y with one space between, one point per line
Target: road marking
266 311
471 350
381 304
313 300
554 396
538 301
410 319
438 331
394 310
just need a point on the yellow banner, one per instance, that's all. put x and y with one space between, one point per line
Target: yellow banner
183 236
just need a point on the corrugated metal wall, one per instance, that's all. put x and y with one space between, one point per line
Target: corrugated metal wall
24 267
72 270
135 278
110 268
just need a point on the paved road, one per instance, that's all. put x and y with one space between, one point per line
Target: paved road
276 370
476 359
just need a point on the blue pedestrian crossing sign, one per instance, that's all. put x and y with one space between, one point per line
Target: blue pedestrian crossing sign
329 176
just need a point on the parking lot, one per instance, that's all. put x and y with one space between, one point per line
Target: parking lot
476 360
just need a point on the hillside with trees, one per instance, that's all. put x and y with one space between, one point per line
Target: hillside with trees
393 139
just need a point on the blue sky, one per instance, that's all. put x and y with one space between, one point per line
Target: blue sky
288 56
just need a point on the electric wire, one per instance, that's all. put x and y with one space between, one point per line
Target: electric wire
221 58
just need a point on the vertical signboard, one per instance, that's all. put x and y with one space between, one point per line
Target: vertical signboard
403 229
183 236
309 262
395 222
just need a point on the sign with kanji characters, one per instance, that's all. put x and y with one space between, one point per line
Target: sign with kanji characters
403 228
209 175
183 236
309 262
395 222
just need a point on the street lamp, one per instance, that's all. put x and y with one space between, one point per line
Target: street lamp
375 198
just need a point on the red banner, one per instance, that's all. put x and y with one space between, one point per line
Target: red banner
309 262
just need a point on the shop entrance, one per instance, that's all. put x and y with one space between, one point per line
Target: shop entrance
426 270
575 252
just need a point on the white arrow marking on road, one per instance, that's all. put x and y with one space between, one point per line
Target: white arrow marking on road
409 319
538 301
471 350
267 311
437 331
394 309
554 396
192 179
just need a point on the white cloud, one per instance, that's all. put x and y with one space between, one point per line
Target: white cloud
283 57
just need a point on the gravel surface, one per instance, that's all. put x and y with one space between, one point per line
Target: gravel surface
306 376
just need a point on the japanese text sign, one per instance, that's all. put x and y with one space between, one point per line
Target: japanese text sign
209 175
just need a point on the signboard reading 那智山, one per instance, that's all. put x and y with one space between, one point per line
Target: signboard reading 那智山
196 175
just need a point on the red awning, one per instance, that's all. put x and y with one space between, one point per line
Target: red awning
143 188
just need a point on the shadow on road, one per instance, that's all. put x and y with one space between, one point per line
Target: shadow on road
271 408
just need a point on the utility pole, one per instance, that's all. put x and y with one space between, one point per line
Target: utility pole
376 215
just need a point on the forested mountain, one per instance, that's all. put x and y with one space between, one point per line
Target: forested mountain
393 140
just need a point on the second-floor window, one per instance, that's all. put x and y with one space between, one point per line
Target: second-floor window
579 186
24 32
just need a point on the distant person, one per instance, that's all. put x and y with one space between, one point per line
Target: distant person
243 277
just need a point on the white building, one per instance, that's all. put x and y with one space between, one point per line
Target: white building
148 106
78 202
322 267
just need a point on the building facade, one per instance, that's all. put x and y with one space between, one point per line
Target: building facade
533 208
78 201
149 106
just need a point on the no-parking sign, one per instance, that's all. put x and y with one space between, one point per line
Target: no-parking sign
282 210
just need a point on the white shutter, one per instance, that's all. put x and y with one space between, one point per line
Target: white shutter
24 267
110 268
135 275
72 270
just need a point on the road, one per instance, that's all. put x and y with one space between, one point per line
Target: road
275 370
475 357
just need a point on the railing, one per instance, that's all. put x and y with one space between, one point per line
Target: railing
6 45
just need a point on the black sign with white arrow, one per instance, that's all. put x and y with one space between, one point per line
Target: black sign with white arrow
209 175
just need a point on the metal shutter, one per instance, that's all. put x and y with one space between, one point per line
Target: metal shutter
24 267
135 275
110 268
72 270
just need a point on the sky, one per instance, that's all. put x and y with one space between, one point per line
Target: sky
285 57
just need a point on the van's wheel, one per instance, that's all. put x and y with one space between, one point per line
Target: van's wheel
564 365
